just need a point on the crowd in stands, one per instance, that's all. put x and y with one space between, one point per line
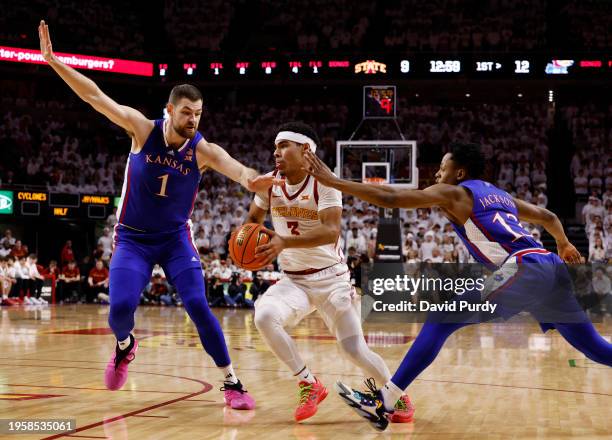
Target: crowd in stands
194 28
449 25
591 169
590 22
513 137
92 28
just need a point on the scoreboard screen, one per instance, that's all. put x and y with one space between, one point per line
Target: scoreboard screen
55 205
379 102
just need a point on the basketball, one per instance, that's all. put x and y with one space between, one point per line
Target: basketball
243 243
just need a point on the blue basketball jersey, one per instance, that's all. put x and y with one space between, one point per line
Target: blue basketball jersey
493 231
160 184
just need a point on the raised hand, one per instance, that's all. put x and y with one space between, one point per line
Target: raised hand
45 41
316 168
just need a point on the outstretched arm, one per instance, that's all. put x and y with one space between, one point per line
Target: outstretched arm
441 195
127 118
552 224
213 156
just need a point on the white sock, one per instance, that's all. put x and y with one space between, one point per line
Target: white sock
228 374
124 344
304 375
390 393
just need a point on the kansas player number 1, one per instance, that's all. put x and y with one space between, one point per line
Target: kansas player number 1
164 184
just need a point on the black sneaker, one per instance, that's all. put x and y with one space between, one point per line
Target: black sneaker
368 404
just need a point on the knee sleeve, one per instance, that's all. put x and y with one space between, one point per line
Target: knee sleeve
270 323
267 317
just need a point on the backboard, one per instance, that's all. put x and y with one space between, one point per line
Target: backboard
392 162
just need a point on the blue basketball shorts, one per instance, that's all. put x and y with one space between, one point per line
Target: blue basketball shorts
139 251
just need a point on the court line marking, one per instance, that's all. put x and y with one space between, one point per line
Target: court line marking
89 389
361 376
206 387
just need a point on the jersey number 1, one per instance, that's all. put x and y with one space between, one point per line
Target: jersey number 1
162 191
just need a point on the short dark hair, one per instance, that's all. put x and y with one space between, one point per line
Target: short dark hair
470 157
188 91
301 128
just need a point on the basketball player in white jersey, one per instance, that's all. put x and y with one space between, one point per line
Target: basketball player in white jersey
307 217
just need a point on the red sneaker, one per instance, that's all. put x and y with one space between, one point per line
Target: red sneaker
403 412
311 394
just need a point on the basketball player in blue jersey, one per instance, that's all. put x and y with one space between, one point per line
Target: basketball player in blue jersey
160 186
487 220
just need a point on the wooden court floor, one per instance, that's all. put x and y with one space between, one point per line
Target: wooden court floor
494 381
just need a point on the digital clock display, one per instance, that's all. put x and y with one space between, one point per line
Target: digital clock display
445 66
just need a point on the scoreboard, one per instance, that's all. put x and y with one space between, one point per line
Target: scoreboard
56 205
397 66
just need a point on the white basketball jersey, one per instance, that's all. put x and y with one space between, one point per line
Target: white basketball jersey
295 210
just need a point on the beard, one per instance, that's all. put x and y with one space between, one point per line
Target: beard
185 132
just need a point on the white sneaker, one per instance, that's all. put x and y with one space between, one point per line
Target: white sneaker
43 301
27 300
35 301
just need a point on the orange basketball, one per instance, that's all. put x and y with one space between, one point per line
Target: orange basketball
243 243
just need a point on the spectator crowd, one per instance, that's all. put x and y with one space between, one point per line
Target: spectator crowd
322 26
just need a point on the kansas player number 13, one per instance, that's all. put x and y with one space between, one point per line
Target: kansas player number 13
500 219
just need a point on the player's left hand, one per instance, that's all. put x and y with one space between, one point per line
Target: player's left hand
270 250
262 183
569 253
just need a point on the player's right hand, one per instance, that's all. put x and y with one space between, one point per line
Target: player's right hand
45 41
569 253
317 169
262 183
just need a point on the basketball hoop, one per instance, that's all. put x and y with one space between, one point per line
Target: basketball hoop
374 180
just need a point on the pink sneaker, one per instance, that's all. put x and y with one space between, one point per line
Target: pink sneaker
237 397
117 368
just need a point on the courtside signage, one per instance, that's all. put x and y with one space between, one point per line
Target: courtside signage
87 62
6 202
